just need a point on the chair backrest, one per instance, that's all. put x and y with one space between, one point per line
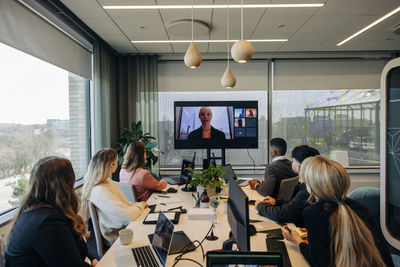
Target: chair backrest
2 257
369 197
286 188
96 228
128 191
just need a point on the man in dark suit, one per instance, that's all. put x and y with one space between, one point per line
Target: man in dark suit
289 211
279 169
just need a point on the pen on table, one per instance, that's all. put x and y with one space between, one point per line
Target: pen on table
163 196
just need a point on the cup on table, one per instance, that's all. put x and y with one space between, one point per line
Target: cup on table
125 236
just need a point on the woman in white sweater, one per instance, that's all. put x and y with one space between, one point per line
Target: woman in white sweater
114 210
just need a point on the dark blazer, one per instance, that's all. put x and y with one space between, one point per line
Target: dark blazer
274 174
198 134
287 211
43 237
317 222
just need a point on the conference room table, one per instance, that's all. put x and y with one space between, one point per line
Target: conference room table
197 230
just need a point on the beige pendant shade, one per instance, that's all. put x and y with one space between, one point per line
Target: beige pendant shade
192 57
228 80
242 51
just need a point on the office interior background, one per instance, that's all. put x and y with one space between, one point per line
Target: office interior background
73 75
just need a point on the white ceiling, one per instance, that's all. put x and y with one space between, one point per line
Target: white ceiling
307 29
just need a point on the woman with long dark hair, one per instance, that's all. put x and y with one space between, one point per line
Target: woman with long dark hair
47 230
132 172
340 231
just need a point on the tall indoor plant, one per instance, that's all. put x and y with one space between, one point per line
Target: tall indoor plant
207 179
135 134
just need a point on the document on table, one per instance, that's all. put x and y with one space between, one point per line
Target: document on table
154 216
166 207
166 200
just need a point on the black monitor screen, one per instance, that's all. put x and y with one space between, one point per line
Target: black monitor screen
238 215
216 124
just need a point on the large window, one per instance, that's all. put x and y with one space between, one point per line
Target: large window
43 112
172 157
341 124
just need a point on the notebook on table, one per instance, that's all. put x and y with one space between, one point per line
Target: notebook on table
153 255
230 173
184 176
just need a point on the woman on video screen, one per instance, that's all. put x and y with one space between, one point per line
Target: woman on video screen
206 131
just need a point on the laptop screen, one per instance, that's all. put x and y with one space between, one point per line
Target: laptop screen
185 174
162 238
229 172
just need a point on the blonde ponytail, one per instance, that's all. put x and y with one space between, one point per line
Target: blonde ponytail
352 241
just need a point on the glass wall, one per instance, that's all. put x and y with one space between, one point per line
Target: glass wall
43 112
172 157
341 124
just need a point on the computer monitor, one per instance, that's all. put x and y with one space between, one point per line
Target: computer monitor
245 259
238 215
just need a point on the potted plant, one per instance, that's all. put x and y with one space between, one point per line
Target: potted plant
135 134
207 179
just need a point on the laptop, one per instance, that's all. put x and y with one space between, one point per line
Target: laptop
245 259
230 173
184 176
154 255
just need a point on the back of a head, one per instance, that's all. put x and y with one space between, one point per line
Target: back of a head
302 152
52 179
134 157
279 145
352 241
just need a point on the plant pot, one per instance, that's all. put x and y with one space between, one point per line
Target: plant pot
200 189
211 191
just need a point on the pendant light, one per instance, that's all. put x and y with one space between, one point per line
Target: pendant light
192 57
228 80
242 50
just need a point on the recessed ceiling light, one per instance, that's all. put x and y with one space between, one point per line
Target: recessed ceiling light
206 41
213 6
370 26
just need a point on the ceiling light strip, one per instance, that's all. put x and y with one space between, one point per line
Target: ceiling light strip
370 26
214 6
207 41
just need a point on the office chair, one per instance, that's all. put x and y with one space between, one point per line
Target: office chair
369 197
2 257
128 191
96 228
286 188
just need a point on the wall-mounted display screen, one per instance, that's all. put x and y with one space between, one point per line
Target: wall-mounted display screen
216 124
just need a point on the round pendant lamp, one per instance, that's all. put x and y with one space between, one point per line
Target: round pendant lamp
228 80
192 57
242 50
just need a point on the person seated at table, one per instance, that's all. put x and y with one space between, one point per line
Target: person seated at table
341 232
291 211
206 131
279 169
115 212
47 230
132 172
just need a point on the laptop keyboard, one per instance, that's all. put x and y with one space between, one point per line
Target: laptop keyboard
274 245
144 257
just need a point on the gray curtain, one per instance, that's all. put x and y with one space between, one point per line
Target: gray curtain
138 92
105 131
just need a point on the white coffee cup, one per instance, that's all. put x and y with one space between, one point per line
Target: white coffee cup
125 236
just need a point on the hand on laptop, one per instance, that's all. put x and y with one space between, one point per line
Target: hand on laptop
253 183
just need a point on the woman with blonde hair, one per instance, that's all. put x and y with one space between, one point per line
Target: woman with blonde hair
47 230
340 230
114 210
132 172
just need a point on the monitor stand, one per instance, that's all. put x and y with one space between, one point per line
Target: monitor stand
227 245
211 159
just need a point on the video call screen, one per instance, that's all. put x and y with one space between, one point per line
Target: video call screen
216 124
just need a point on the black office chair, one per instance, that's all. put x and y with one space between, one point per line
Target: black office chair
286 188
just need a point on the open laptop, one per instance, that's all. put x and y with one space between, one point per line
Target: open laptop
230 173
154 255
184 176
